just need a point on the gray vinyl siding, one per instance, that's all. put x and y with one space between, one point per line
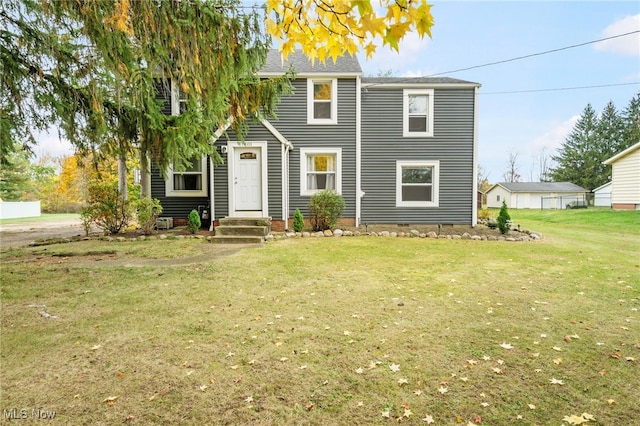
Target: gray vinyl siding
292 124
341 135
383 144
176 207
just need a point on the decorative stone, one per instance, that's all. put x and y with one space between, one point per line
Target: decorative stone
338 233
384 233
318 234
456 237
290 235
393 234
348 233
269 237
423 235
466 236
121 239
432 234
414 233
475 237
401 234
306 235
327 233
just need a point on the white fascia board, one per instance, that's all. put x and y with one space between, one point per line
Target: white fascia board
622 154
284 141
420 85
314 74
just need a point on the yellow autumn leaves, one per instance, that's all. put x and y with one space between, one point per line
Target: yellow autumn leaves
324 29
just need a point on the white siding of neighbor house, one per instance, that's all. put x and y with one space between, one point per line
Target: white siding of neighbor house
492 197
626 180
602 195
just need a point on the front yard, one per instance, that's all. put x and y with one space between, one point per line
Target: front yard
358 330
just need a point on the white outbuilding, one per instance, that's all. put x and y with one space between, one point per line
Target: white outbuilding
625 179
536 195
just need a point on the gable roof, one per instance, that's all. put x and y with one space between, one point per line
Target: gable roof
540 187
622 154
602 187
343 65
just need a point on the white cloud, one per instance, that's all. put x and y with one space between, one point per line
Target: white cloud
412 49
50 143
554 137
628 45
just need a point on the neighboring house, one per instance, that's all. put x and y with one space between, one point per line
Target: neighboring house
399 150
535 195
625 179
602 195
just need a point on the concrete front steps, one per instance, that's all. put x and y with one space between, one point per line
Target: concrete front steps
241 230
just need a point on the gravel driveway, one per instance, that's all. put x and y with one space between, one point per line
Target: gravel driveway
24 233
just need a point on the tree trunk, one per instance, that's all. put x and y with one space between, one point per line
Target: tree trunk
122 175
145 176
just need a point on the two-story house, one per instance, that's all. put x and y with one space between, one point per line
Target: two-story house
399 150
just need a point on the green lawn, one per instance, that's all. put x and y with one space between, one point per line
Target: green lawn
362 330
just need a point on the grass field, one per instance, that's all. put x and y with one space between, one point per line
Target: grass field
362 330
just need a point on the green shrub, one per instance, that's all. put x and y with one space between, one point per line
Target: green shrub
298 221
148 211
194 221
325 208
504 220
107 208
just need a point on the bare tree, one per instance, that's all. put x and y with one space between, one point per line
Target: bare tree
544 165
512 175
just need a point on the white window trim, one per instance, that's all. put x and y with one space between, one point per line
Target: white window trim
334 102
170 192
435 202
303 168
175 97
405 113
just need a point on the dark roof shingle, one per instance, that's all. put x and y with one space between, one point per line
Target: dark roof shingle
347 65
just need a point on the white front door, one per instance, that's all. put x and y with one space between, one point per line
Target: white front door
247 178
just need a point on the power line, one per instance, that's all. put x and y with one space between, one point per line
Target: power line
535 54
558 89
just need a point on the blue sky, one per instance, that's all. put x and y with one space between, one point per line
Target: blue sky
471 33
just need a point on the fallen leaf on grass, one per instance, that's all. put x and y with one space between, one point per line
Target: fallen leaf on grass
428 418
386 414
95 347
443 390
403 382
506 346
578 420
557 361
555 381
630 358
532 407
611 401
359 371
394 367
557 348
110 400
407 413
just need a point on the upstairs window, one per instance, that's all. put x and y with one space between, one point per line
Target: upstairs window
417 113
190 182
320 169
322 101
178 99
417 183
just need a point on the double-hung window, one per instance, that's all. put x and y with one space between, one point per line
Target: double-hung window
322 101
417 113
320 169
417 183
188 181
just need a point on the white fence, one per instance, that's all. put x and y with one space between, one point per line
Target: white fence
18 209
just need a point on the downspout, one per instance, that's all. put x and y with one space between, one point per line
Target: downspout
359 192
212 215
474 215
285 192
